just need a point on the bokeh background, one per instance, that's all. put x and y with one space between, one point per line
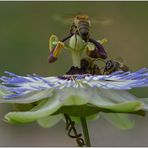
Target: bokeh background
24 31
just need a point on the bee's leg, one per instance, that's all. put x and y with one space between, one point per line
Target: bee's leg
73 29
66 38
100 48
124 68
72 32
96 70
84 65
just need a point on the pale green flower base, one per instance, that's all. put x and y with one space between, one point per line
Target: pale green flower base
77 103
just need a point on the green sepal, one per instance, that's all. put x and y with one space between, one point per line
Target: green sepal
78 110
119 120
80 102
49 121
43 109
130 106
88 118
23 107
89 110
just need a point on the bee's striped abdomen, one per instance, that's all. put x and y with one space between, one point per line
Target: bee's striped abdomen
83 29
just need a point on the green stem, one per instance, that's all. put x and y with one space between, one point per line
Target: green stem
76 57
85 131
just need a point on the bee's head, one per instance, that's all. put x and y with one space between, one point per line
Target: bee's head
82 17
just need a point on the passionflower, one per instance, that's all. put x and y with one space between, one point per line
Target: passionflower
72 94
73 97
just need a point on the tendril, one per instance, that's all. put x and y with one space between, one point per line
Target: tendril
70 126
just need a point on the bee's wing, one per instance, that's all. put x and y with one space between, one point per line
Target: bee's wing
63 20
123 63
104 21
68 19
119 59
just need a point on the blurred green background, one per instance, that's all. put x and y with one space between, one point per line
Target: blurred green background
26 26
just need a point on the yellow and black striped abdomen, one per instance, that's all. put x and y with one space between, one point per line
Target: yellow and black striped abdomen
83 29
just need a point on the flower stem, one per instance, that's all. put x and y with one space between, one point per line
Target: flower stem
85 131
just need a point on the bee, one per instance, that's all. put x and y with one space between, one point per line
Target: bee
81 26
115 65
88 66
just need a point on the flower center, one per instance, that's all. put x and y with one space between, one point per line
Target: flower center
73 76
